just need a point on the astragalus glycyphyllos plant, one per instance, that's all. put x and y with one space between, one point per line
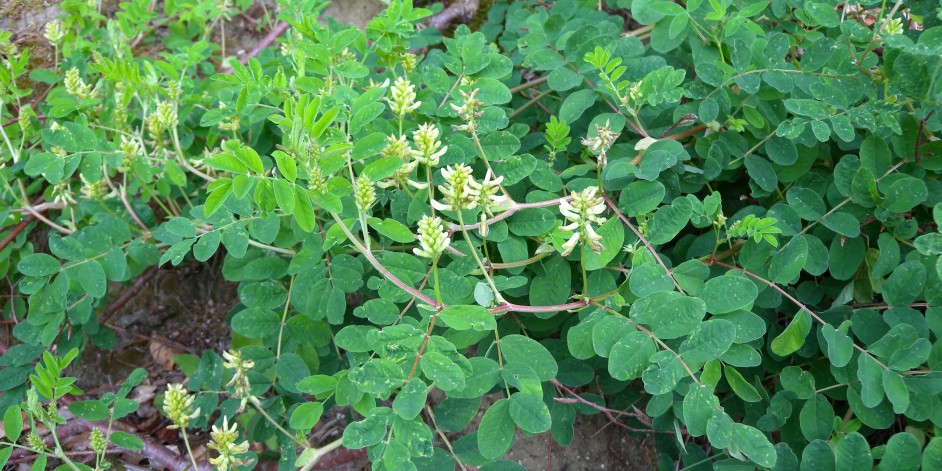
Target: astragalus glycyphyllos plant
719 227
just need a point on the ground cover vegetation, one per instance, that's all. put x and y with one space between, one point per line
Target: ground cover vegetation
714 222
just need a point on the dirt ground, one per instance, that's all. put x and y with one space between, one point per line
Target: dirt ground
183 310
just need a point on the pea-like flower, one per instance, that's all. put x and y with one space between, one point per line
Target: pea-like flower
433 239
166 115
240 381
459 191
364 193
468 109
53 32
403 97
429 149
97 441
178 405
582 212
75 86
601 142
223 440
893 27
488 198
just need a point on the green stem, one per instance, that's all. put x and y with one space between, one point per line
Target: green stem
487 276
260 410
189 451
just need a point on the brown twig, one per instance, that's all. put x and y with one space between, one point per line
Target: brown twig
269 38
16 231
128 294
460 8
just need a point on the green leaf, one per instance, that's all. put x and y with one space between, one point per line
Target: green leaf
575 104
870 374
817 418
286 165
786 265
840 347
91 277
905 284
393 229
932 454
382 168
446 374
613 237
668 221
798 381
468 317
902 453
38 264
126 440
630 356
256 323
284 195
517 348
853 453
496 431
530 413
793 337
699 405
728 293
896 391
306 416
641 197
410 400
740 386
708 341
842 223
90 410
648 279
531 222
669 313
13 423
754 445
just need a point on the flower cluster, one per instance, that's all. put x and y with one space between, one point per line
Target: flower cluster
224 441
429 149
75 86
432 236
240 381
364 193
178 405
459 191
97 440
53 32
582 212
468 109
403 97
488 198
601 142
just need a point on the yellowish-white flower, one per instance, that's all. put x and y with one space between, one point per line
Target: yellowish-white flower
468 109
488 198
403 97
893 27
601 142
167 115
429 149
364 193
433 239
240 382
178 405
53 32
75 86
459 191
582 212
223 441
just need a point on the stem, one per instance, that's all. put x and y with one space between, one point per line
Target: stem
260 410
585 276
189 451
284 315
60 452
474 253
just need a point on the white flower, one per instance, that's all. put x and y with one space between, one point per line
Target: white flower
240 382
428 148
488 199
53 32
601 142
432 237
178 406
582 212
223 440
459 191
403 97
364 193
468 110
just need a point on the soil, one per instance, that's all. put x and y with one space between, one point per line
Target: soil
183 310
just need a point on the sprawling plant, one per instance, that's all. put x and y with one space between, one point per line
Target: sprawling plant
719 227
